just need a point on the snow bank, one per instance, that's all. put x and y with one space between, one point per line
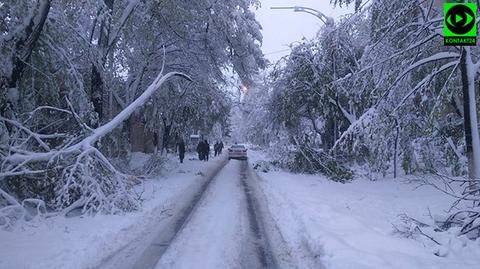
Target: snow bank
350 226
354 225
138 160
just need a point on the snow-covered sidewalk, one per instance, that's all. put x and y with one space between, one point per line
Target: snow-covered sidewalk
351 226
83 242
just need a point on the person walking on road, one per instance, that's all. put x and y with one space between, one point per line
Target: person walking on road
206 150
181 150
215 148
220 147
200 150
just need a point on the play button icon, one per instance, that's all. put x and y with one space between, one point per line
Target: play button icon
460 19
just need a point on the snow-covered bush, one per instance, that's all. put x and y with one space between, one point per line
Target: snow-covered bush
265 166
27 211
305 159
464 214
308 160
155 164
92 184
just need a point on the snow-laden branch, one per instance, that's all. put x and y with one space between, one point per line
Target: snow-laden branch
84 177
48 108
100 131
132 4
358 125
436 57
391 57
28 131
424 81
128 111
349 116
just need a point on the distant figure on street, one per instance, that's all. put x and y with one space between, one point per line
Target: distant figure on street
215 148
206 150
181 150
220 147
200 150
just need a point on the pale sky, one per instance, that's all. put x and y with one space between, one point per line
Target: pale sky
283 27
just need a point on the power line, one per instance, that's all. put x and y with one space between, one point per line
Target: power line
277 51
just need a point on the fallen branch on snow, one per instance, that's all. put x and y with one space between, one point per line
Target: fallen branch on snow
83 178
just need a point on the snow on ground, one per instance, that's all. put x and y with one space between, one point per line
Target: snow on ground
350 226
82 242
213 237
345 226
138 160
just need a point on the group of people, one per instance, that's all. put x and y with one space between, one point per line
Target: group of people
203 149
218 147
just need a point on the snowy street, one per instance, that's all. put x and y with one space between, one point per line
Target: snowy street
207 221
218 234
239 134
232 217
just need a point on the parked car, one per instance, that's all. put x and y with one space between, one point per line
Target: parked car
238 152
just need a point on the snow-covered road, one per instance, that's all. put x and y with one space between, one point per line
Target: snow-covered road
223 231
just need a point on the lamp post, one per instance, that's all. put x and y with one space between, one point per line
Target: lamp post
325 19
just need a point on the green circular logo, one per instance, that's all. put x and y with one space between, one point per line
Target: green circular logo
460 19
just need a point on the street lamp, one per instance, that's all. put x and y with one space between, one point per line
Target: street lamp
325 19
243 88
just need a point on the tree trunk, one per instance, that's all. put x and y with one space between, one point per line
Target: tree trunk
395 151
470 123
24 45
166 135
97 94
97 86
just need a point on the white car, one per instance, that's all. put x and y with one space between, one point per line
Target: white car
238 152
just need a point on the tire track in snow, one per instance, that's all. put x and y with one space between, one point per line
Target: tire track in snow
225 230
262 248
214 234
288 251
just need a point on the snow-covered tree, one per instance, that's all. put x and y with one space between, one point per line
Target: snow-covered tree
79 78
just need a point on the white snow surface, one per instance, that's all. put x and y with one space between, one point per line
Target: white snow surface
350 226
343 226
83 242
138 160
213 236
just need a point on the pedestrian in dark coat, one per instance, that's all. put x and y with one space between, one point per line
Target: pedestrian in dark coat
206 150
200 150
181 150
215 148
220 148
